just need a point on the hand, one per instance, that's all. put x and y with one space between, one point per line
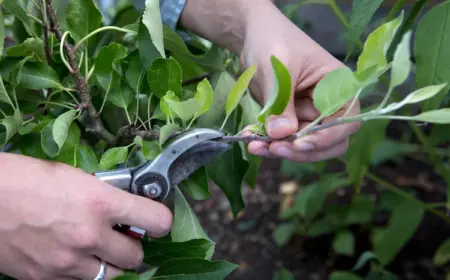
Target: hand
56 222
268 32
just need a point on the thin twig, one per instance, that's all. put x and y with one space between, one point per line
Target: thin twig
196 79
81 83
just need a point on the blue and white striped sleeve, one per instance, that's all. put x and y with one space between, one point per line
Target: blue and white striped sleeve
170 15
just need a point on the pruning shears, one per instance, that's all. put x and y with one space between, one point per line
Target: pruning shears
181 156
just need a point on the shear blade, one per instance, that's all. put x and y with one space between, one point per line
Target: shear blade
196 157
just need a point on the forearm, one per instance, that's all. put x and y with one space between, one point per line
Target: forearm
223 21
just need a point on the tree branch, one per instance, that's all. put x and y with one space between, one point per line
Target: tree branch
81 83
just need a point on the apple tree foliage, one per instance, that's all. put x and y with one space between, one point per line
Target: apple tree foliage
98 93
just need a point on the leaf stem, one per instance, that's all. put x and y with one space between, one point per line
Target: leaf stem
61 52
405 195
35 19
3 113
397 7
100 30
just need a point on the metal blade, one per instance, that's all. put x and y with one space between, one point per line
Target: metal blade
195 158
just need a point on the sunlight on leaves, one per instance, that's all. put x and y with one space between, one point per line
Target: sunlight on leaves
334 90
377 45
239 89
401 65
415 97
204 96
152 20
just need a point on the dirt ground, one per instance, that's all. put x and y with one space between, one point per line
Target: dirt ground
247 241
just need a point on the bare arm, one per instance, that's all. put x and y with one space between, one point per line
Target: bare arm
223 22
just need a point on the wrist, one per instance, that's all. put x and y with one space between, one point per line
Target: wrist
222 22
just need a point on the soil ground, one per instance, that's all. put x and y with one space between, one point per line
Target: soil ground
247 240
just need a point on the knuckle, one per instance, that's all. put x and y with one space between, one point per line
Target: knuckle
86 238
97 204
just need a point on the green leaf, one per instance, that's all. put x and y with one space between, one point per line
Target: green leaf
147 50
364 258
87 160
222 84
415 97
49 145
334 90
344 243
19 13
401 65
390 149
344 275
4 96
2 31
282 91
185 110
150 149
377 45
284 232
185 225
442 254
165 75
204 96
152 20
166 132
61 127
8 128
106 63
362 13
228 170
403 223
82 18
37 76
239 88
196 185
113 157
430 51
361 148
283 274
197 269
31 46
121 93
441 116
159 252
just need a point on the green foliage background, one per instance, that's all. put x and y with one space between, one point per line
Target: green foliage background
114 91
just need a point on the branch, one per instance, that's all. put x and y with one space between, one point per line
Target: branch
81 83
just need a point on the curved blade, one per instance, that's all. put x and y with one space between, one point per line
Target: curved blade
195 158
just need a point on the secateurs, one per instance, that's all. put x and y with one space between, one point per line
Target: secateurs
182 155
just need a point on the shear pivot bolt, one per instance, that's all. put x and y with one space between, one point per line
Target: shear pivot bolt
153 190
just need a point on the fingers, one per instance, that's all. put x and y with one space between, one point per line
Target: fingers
286 151
120 250
89 268
283 125
153 217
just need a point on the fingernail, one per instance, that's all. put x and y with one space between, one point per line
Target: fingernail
279 124
284 152
304 147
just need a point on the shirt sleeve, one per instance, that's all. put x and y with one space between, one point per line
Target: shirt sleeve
170 15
